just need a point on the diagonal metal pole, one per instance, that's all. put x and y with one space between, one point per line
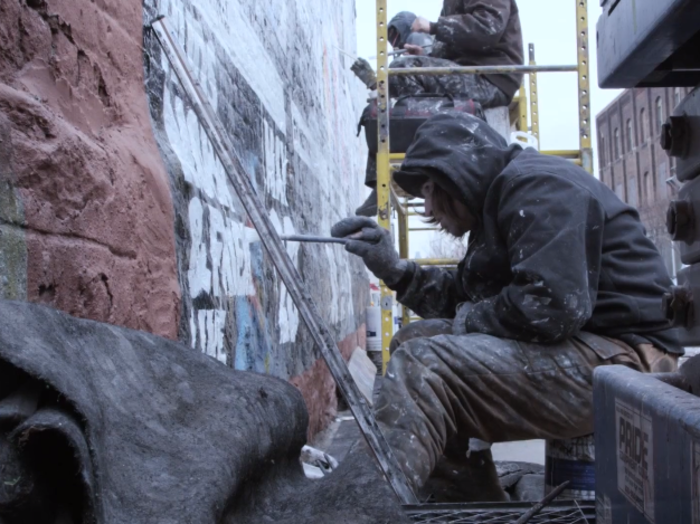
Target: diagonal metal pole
528 516
288 272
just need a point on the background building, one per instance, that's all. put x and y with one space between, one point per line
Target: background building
632 163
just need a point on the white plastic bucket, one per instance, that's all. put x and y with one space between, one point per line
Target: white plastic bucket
374 328
524 139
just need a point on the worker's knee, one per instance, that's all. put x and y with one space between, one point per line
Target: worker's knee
413 354
420 329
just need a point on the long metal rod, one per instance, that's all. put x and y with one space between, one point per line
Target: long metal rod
386 301
527 517
288 272
403 251
584 96
534 99
436 261
522 110
311 238
398 52
481 70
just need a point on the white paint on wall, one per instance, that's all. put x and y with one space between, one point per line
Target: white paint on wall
251 36
230 253
275 165
211 326
288 317
198 274
200 165
227 22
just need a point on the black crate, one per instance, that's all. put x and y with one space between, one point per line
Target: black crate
647 439
649 43
409 113
569 512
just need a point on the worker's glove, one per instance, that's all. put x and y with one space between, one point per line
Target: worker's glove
459 324
374 244
364 72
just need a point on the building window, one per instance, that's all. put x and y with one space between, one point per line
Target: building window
630 141
648 188
677 97
616 144
601 154
663 176
632 192
642 126
659 114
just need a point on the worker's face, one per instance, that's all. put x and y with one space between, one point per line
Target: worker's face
393 36
457 223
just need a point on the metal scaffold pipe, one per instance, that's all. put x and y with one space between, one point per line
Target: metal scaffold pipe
482 70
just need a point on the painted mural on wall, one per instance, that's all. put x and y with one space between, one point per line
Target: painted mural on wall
275 75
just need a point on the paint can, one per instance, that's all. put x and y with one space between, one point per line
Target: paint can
374 336
524 139
572 460
374 328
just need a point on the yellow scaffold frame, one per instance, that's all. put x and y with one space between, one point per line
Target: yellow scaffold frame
519 116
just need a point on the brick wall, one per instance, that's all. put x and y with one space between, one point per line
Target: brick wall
285 94
86 218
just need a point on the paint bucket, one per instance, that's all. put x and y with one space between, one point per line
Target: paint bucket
374 336
572 460
374 328
524 139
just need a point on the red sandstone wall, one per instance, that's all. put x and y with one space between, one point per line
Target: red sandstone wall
98 216
318 387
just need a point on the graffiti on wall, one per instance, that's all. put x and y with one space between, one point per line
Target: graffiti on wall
290 106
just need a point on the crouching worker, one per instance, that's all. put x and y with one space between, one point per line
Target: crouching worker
559 278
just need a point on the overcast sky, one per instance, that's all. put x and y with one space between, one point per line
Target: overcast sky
551 26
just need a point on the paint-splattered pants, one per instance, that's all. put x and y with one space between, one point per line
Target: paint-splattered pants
476 87
440 390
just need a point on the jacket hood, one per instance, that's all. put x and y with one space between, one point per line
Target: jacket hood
402 23
462 152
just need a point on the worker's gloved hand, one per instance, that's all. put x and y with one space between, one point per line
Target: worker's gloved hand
374 244
414 50
459 324
364 72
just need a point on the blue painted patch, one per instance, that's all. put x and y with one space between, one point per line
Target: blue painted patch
580 474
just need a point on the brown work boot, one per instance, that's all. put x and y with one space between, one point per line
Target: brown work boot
468 479
369 206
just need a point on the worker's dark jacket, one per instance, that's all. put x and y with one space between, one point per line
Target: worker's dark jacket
481 32
554 251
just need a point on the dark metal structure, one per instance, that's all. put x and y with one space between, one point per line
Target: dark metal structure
501 513
654 43
649 43
648 427
648 449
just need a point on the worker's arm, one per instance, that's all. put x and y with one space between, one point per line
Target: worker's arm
554 233
481 28
430 292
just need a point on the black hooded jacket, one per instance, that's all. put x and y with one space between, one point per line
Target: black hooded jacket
554 251
401 23
481 32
